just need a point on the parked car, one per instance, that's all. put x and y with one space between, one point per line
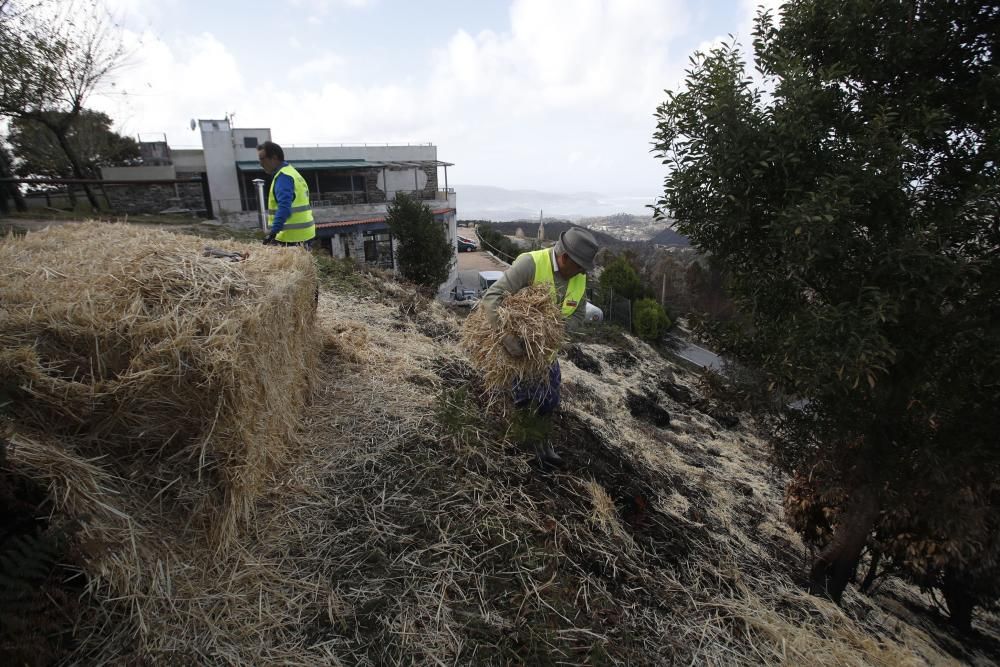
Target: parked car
487 278
465 245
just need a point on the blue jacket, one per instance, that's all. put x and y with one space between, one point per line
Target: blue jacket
284 194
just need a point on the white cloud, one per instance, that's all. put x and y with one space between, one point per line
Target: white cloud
562 97
319 67
323 7
162 86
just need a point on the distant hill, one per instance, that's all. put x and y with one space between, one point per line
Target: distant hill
486 202
672 238
553 228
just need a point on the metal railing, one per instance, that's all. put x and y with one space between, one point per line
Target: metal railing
356 145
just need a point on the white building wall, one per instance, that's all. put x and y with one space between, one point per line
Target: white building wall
401 180
188 160
241 134
451 224
220 164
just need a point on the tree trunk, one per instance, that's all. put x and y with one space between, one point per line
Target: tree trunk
74 162
835 564
10 189
866 585
960 602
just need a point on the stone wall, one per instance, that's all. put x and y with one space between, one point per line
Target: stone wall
372 191
154 198
430 189
376 195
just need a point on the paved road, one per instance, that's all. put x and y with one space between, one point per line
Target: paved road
697 355
471 263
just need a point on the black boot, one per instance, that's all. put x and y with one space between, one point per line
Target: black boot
547 456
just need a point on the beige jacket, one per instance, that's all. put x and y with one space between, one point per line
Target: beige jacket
521 274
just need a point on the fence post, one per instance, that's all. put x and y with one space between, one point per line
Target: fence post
261 206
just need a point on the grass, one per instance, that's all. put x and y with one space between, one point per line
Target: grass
602 333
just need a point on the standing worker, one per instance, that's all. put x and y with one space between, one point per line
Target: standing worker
564 266
288 210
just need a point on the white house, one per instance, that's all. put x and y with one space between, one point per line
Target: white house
349 184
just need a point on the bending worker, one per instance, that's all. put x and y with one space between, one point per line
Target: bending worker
564 266
289 215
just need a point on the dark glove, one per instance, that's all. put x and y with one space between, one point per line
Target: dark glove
269 239
514 346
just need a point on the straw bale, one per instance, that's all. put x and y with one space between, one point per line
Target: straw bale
533 316
185 373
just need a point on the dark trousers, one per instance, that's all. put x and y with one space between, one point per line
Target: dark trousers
544 394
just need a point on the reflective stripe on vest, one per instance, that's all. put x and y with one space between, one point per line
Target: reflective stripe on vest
544 273
299 226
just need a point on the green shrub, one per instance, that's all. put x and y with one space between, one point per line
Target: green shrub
649 320
620 278
424 253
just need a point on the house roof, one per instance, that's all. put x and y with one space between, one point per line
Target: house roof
312 165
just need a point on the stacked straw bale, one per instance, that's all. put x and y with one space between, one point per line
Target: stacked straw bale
157 387
533 316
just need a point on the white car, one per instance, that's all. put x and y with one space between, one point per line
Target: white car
487 278
593 314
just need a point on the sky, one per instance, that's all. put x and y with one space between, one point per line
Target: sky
550 95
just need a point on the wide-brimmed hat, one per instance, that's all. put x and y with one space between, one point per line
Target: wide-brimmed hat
580 245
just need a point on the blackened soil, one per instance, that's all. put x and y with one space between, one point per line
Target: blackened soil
634 487
647 409
582 360
622 360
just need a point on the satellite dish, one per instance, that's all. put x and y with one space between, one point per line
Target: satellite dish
194 124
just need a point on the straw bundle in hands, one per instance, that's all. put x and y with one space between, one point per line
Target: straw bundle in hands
184 376
533 316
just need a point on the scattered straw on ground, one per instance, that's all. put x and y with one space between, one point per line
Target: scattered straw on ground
408 530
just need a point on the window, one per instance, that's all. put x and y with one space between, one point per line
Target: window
249 142
338 181
378 249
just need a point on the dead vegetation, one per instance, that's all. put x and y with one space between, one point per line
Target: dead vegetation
405 527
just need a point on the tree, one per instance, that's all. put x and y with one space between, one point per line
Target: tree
649 320
424 253
855 211
90 138
28 61
54 58
497 243
621 276
9 189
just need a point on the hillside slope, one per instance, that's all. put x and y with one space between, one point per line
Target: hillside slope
410 528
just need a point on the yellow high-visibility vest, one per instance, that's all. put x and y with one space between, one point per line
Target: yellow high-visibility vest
299 226
545 273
